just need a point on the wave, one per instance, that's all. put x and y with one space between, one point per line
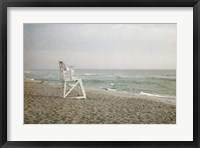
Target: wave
164 78
97 74
93 81
112 84
109 89
27 72
156 95
34 80
169 74
89 74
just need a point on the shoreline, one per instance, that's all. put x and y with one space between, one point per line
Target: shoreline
44 104
109 90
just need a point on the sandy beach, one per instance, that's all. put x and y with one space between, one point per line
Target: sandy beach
43 104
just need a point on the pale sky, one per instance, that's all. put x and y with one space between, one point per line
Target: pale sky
100 46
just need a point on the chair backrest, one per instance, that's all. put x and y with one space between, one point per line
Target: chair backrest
66 73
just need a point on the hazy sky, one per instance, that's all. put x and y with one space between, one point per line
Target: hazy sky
107 46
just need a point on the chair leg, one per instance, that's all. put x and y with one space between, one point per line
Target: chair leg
64 89
82 89
80 82
71 89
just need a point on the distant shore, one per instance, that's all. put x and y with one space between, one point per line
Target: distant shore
43 104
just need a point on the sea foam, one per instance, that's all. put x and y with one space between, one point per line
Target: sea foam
155 95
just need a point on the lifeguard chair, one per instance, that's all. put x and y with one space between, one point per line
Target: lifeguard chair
70 82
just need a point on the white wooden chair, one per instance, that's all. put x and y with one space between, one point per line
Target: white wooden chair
71 82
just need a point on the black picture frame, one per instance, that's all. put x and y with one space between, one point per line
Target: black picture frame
4 4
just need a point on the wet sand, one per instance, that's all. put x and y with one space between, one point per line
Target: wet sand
43 104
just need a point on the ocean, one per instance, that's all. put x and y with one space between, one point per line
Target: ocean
158 83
